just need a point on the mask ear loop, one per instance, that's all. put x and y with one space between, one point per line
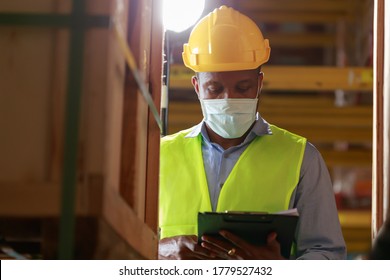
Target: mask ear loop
257 97
258 91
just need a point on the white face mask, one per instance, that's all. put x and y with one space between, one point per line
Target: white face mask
229 118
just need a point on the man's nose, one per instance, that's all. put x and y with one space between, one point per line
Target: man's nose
229 93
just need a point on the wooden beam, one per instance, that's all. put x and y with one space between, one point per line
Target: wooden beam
324 132
301 40
355 219
351 158
125 221
43 200
298 17
325 101
364 111
315 135
317 78
295 78
320 135
297 5
335 119
327 123
380 174
356 226
332 120
155 74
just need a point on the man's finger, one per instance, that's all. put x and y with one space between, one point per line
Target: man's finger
271 237
234 239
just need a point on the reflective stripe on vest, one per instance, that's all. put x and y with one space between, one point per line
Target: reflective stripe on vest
263 179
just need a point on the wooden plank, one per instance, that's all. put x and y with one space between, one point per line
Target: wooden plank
357 234
289 105
305 117
43 200
320 135
297 17
357 240
352 158
152 177
57 108
135 118
297 5
327 123
313 134
321 123
29 200
380 159
332 121
127 224
300 40
114 91
124 204
295 78
20 6
140 142
355 219
141 136
110 246
317 78
292 100
347 111
358 247
101 7
94 133
24 103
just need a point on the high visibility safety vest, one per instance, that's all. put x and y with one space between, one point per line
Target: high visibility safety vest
263 179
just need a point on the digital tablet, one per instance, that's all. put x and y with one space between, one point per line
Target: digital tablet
252 227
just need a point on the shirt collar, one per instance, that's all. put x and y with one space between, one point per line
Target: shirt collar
260 128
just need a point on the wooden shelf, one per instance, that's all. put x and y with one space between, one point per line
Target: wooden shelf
295 78
356 228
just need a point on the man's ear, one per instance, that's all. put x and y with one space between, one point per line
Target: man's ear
195 84
260 85
260 81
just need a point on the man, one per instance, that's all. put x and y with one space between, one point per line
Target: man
234 160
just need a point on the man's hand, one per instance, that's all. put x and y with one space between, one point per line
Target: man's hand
182 248
233 247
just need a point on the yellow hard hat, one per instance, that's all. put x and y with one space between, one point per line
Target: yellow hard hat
225 40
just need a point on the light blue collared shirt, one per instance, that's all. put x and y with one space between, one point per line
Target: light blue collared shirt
318 233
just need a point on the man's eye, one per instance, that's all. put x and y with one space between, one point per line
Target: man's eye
243 89
215 89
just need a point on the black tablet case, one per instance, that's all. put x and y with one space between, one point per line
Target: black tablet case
252 227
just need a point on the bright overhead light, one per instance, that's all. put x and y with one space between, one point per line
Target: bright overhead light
178 15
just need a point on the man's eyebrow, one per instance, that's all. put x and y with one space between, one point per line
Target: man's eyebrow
246 81
212 82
